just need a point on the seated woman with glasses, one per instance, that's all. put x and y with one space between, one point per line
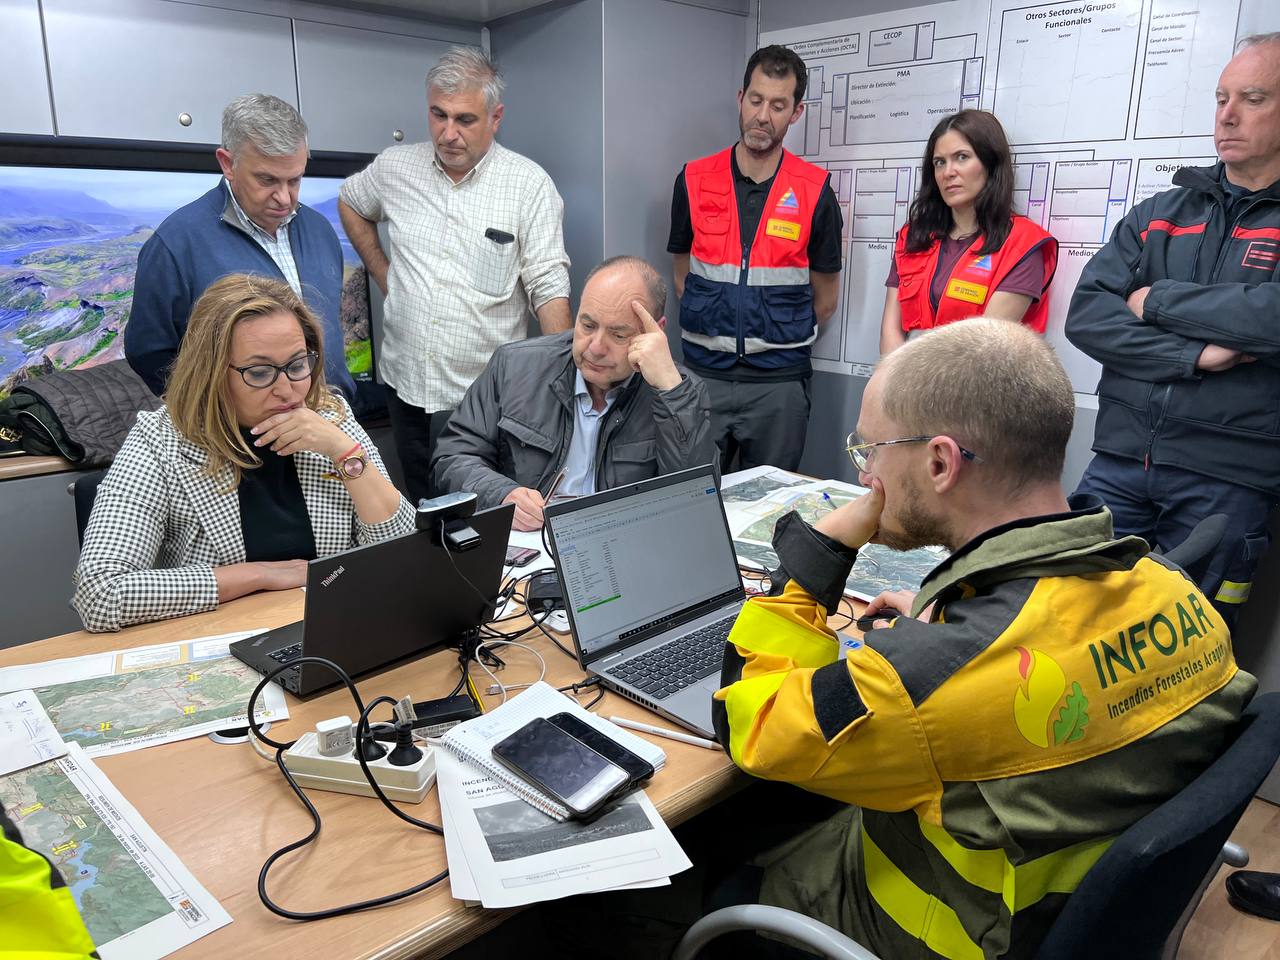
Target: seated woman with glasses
251 468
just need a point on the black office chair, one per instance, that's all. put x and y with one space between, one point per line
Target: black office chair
1163 863
1195 553
85 490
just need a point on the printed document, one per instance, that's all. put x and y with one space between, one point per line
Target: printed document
27 736
505 853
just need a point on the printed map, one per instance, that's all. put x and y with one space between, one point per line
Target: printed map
756 500
113 892
757 488
99 711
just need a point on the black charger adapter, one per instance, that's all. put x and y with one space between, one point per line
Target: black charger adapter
433 717
544 593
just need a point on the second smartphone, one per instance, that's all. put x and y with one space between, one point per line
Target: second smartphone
639 770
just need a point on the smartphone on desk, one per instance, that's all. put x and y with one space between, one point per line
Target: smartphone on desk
639 770
561 766
521 556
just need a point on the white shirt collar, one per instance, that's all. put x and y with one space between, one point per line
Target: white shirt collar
470 174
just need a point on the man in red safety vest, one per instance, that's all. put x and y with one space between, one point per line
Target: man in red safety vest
755 235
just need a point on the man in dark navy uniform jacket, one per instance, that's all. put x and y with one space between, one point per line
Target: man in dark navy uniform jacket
1182 309
251 222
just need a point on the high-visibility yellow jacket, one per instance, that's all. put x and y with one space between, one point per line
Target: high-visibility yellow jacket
38 917
1066 685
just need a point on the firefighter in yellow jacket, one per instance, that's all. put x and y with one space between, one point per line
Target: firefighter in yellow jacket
38 917
1047 687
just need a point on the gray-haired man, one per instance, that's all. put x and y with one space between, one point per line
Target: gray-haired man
251 222
475 240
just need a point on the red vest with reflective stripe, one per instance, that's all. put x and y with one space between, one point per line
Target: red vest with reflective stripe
973 279
782 238
762 314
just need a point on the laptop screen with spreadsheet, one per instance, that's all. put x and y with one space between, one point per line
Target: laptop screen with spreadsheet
637 560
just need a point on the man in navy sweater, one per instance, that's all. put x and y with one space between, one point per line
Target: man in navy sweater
251 222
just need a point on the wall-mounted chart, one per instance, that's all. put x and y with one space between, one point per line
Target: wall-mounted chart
1102 100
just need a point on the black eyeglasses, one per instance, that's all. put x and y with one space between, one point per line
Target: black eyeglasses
262 375
860 453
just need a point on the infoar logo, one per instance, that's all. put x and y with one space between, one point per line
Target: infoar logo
1043 715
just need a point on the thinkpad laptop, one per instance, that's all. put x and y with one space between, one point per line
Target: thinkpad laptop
372 605
651 586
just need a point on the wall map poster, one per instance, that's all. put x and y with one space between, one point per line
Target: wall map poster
1102 100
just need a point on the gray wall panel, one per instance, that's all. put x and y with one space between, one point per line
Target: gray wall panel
167 59
25 105
554 105
40 522
657 119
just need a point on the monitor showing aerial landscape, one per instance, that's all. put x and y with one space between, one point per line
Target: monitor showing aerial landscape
69 242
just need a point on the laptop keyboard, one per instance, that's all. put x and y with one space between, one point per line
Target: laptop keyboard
285 654
678 663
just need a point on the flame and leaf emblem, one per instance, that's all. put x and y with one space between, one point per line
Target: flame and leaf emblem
1039 708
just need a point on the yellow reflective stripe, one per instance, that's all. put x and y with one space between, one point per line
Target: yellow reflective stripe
1025 884
760 630
1058 872
742 702
1233 592
920 915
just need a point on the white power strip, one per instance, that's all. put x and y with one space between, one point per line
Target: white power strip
342 774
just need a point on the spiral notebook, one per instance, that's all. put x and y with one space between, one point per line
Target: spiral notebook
474 739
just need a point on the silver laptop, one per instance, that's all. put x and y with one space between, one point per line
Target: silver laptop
651 587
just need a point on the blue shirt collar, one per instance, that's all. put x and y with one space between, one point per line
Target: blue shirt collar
583 396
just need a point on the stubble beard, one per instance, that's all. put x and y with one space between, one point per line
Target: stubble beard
774 142
918 527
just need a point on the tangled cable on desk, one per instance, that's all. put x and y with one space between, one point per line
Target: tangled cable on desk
363 735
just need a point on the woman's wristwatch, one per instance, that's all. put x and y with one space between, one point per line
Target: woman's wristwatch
350 465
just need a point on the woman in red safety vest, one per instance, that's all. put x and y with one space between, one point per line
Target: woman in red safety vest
963 252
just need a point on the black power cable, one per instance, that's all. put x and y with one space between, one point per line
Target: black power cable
363 736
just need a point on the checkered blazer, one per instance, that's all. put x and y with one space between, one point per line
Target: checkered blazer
160 525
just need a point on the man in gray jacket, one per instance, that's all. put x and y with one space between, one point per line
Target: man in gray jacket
588 409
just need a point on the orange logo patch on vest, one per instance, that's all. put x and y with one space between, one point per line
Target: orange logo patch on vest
968 292
1040 712
783 228
788 201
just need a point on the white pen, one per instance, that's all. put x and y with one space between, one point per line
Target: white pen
664 732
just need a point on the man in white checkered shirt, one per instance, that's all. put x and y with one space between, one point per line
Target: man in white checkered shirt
476 238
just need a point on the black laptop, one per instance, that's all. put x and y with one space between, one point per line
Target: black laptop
372 605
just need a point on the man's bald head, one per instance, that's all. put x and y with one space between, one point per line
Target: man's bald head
655 287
